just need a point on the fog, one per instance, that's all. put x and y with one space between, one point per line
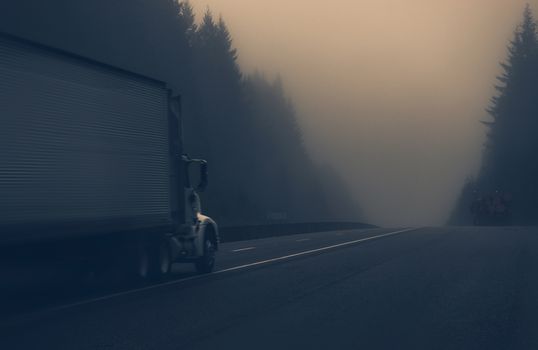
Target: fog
389 92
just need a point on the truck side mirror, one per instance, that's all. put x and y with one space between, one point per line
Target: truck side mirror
190 173
202 185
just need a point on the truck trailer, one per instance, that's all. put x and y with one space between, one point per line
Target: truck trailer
92 159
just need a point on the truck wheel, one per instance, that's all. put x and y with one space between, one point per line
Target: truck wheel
206 263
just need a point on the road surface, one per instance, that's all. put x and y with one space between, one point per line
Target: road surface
427 288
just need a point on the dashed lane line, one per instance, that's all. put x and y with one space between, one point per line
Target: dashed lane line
243 249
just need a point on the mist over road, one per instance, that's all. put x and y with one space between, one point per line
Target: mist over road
442 288
391 93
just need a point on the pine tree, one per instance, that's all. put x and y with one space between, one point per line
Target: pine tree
512 110
246 130
509 163
188 18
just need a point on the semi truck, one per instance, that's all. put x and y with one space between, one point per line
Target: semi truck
92 165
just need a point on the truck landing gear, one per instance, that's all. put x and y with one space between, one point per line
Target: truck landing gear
163 259
151 258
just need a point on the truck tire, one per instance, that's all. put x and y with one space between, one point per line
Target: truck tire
206 263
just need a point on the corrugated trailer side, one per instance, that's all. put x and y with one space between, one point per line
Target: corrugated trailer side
84 147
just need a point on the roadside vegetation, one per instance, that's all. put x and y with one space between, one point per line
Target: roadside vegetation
244 124
506 188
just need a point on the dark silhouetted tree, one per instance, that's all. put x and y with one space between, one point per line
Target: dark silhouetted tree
509 159
245 127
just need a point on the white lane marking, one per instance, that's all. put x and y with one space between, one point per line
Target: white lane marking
302 240
309 252
236 268
243 249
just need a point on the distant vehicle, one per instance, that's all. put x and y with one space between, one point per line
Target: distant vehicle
91 159
492 209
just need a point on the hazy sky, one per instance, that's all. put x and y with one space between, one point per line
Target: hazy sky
390 92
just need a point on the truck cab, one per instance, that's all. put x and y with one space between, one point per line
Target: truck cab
194 238
198 239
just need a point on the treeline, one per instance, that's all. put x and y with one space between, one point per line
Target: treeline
244 125
508 178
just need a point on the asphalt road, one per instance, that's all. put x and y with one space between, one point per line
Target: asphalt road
429 288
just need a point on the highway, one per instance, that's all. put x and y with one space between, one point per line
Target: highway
422 288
